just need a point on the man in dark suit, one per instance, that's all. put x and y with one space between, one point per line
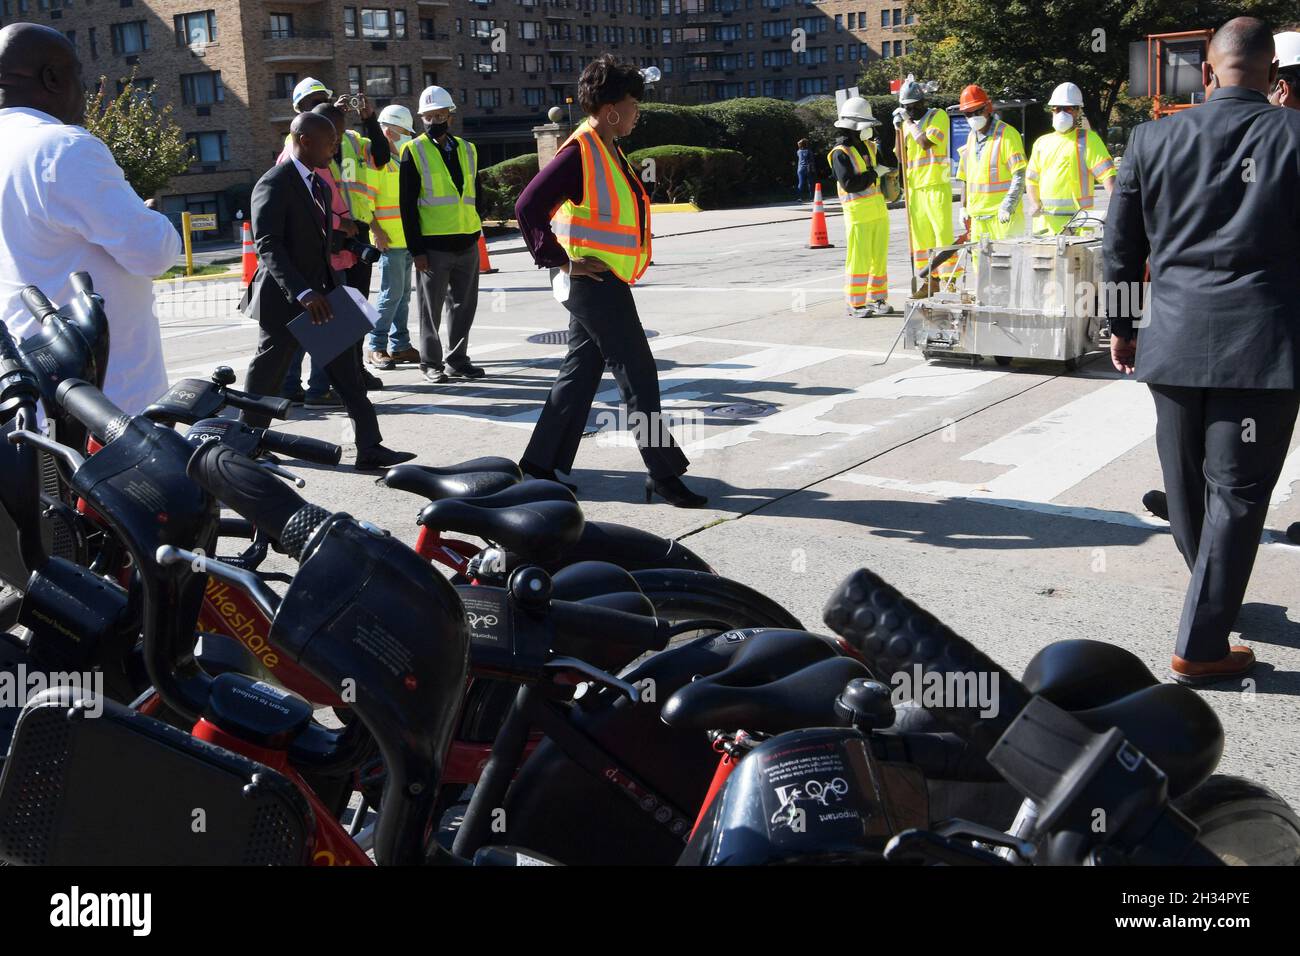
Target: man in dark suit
1211 198
290 208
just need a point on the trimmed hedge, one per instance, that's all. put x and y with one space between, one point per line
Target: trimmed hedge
503 183
689 173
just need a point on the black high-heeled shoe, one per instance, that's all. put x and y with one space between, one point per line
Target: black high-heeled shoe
545 474
674 491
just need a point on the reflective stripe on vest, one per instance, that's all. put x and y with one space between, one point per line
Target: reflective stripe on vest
388 211
443 211
354 176
605 225
1061 179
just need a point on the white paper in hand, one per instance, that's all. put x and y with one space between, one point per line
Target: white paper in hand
560 285
370 312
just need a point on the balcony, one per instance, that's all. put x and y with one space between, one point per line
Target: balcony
435 37
433 3
297 46
428 57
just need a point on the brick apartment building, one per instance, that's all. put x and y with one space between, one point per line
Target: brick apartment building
227 68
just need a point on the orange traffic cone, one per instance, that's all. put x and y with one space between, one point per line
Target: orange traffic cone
250 255
817 238
484 266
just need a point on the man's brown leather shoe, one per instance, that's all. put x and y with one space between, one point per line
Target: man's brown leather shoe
407 355
1238 662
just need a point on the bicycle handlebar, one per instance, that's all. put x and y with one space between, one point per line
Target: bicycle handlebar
260 405
299 446
92 408
894 636
240 483
81 282
36 303
583 630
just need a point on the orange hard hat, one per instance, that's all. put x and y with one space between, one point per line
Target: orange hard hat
973 98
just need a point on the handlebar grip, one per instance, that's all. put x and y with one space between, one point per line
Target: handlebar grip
896 637
92 408
81 282
583 629
301 447
258 404
36 302
239 483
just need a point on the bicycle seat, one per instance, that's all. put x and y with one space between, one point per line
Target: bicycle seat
1079 674
804 698
599 582
532 519
1172 725
467 479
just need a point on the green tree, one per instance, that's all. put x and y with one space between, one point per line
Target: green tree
145 140
1027 47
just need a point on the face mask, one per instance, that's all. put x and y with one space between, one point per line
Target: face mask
434 129
867 134
977 123
402 140
1061 122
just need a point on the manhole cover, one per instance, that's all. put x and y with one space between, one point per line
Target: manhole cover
562 337
743 410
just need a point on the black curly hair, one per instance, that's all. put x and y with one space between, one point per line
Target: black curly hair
606 80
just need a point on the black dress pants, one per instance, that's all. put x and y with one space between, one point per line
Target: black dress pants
1221 452
276 348
604 329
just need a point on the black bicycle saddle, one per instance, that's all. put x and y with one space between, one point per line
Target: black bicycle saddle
533 519
1079 674
804 698
467 479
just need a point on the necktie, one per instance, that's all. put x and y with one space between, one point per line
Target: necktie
321 205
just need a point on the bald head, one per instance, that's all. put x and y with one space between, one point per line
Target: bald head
314 139
39 69
1241 54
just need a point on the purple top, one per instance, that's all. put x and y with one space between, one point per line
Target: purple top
560 180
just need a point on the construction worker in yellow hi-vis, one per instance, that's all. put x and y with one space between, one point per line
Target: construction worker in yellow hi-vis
992 171
853 160
1066 164
927 182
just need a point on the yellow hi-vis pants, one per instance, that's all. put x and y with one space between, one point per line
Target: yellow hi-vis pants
929 211
987 225
865 261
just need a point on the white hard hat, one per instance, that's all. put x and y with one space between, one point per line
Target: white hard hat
398 116
911 91
436 98
308 86
1067 94
1287 46
857 111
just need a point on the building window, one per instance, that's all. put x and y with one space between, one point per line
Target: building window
94 49
430 79
284 84
131 37
487 99
530 30
210 146
839 23
195 28
485 63
839 54
532 63
898 48
426 28
350 22
852 18
403 81
534 96
481 28
884 18
375 24
399 24
141 89
354 79
202 89
379 82
281 26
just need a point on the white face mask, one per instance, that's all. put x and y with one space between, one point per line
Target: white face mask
402 140
1061 122
977 123
867 134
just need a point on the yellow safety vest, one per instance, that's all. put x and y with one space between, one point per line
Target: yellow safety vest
605 225
930 166
988 176
868 205
388 209
356 176
443 211
1066 167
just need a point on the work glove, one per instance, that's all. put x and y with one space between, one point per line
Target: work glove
1004 215
882 171
900 117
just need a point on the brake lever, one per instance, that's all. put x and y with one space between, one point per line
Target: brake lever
279 472
267 601
925 846
986 834
597 675
61 452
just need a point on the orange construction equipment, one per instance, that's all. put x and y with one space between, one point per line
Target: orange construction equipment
817 238
250 255
973 98
484 266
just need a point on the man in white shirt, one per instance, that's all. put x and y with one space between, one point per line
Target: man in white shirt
65 206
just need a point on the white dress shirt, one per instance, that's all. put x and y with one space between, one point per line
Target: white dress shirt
66 207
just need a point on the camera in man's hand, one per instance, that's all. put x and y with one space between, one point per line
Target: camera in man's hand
362 250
